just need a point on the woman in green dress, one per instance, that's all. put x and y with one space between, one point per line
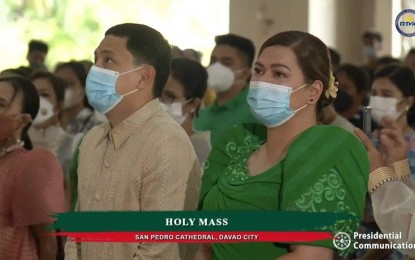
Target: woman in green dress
300 166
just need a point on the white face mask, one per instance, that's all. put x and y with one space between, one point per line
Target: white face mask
369 52
220 77
71 98
175 111
45 112
384 107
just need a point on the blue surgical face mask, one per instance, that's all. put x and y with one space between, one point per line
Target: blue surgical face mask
100 88
270 103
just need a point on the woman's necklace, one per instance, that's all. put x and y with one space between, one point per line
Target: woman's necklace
6 150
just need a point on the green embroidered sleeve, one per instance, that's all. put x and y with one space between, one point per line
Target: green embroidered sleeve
328 194
326 170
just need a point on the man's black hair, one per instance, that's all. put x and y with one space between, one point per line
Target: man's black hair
147 46
36 45
243 45
192 75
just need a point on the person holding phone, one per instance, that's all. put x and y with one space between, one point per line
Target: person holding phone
391 189
392 96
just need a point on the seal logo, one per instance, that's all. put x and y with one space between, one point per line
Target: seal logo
405 22
341 240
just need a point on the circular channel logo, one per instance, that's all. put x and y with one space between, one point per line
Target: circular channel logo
341 240
405 23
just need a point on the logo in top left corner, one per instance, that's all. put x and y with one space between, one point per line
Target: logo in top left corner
341 240
405 22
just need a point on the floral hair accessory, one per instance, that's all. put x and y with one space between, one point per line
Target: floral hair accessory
332 89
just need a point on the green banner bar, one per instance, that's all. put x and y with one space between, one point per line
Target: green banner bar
197 221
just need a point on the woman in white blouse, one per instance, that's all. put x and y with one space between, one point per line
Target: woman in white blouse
46 130
390 186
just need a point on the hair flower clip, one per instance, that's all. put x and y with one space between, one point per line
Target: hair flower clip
333 87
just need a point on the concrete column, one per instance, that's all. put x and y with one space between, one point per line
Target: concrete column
384 22
260 19
322 20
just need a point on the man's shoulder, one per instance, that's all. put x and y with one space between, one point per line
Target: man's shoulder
96 133
161 124
100 129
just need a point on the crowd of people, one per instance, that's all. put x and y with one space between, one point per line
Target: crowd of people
146 127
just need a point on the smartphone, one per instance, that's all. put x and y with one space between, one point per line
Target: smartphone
367 120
